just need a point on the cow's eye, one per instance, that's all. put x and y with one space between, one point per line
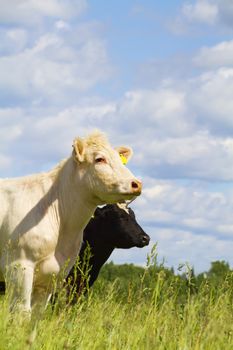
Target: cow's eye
100 160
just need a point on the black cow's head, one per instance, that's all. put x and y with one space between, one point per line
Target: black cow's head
119 227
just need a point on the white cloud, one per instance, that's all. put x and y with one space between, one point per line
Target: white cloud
42 139
68 124
11 127
177 139
13 40
211 97
215 56
162 109
5 161
226 229
207 12
185 247
32 12
54 68
62 25
198 156
202 11
163 127
190 207
206 96
10 133
225 9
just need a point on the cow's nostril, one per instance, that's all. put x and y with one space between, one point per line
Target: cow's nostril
145 239
134 184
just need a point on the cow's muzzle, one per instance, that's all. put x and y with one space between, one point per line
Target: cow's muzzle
136 187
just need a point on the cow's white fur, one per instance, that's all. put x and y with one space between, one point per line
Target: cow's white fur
42 216
123 206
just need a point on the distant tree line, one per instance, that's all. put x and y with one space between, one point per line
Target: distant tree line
130 281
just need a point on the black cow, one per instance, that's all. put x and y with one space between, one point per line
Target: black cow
112 226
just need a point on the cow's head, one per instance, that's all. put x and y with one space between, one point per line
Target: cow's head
101 169
118 227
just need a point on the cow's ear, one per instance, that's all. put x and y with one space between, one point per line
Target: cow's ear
78 149
125 153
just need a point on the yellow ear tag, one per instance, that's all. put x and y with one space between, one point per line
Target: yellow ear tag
123 159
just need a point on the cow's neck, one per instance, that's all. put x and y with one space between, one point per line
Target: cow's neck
75 203
100 254
74 206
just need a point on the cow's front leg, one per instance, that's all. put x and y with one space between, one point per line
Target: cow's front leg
19 283
40 298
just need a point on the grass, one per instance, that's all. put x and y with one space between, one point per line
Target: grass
142 318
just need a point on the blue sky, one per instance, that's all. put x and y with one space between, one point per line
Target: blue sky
156 75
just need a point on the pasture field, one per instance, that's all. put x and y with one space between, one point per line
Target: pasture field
154 311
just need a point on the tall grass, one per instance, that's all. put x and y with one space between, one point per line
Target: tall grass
142 318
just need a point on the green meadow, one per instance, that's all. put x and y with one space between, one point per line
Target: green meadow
131 307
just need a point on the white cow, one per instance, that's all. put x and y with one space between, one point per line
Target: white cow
42 216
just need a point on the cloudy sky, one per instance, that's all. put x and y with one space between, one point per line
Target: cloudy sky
155 75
